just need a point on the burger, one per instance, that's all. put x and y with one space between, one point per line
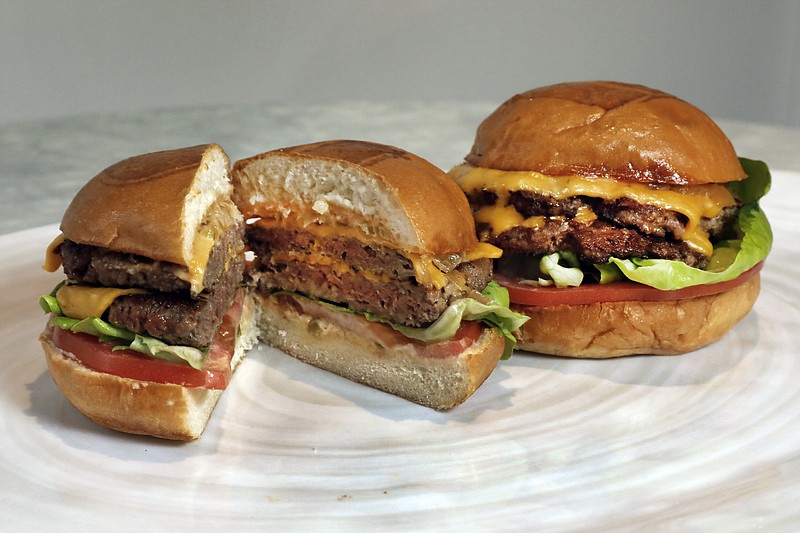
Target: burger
151 320
627 222
366 264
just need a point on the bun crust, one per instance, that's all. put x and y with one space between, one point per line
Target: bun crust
613 329
150 204
439 383
163 410
142 408
629 132
388 193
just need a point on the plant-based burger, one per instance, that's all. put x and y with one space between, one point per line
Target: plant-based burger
367 265
151 320
627 222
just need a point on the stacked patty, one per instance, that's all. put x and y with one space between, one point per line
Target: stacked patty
596 229
367 277
168 311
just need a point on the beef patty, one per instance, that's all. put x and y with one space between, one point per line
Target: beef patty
176 317
366 278
93 265
168 312
623 228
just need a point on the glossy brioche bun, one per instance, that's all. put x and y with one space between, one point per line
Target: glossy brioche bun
436 382
629 132
162 410
613 329
151 204
391 195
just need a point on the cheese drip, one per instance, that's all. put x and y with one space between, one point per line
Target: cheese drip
52 259
504 217
694 202
201 252
223 215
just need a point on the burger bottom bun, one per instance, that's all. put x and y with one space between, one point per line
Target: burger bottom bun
436 382
162 410
613 329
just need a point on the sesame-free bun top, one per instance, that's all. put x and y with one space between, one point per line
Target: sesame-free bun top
601 128
151 204
390 195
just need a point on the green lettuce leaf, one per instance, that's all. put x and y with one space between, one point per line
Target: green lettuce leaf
755 185
49 302
730 258
609 272
93 326
562 268
670 275
166 352
497 293
122 338
495 314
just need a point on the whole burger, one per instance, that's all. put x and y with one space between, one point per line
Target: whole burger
627 222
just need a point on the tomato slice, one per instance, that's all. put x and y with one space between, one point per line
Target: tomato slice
465 337
382 334
618 291
98 356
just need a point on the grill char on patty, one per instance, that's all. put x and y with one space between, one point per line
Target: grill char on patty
623 228
366 278
177 318
168 313
93 265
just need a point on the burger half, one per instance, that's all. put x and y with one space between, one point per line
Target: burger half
628 225
367 265
151 321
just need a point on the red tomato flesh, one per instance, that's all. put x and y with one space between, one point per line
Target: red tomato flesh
618 291
465 336
382 334
98 356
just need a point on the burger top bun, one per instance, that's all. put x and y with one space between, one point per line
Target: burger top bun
154 204
629 132
389 194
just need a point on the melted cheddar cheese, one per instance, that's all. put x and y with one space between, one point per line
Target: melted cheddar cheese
502 218
206 236
52 259
201 252
79 301
483 250
694 202
425 270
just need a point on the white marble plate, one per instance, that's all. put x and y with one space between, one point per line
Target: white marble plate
706 441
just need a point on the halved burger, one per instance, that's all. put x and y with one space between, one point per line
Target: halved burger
367 265
151 320
627 222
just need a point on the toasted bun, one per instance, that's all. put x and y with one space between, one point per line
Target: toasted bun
390 195
439 383
629 132
152 204
612 329
161 410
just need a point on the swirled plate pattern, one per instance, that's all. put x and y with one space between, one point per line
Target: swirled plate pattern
700 442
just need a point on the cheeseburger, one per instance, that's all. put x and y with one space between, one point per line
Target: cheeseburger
366 264
151 321
628 225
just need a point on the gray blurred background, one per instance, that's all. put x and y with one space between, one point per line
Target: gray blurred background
735 59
